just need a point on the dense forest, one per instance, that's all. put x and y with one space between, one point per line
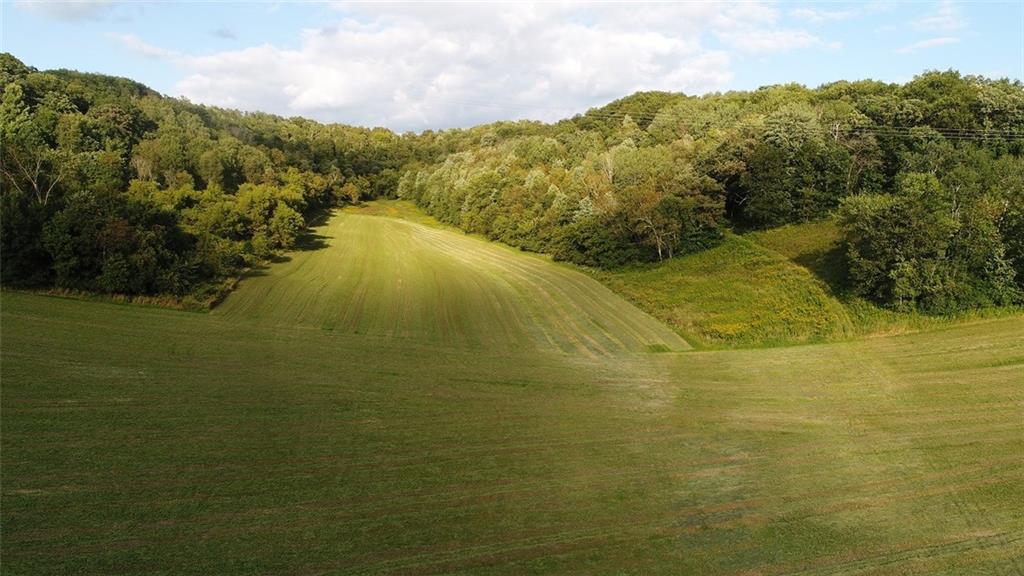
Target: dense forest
110 187
926 180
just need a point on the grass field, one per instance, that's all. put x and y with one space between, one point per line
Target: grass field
492 413
817 248
736 294
775 287
395 278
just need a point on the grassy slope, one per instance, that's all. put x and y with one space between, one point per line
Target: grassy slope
780 286
152 441
742 293
817 246
394 278
735 294
143 440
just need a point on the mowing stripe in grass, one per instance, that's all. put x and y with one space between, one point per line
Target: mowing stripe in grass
390 277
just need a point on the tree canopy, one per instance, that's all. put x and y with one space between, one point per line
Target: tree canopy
111 187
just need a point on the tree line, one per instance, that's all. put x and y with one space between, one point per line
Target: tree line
926 180
111 187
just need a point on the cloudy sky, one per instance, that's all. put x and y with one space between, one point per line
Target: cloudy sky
416 66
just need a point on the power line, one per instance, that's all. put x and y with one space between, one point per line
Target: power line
651 116
963 134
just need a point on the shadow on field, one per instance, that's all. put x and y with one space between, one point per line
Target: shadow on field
307 242
829 266
310 241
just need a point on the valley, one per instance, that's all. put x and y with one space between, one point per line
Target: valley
397 397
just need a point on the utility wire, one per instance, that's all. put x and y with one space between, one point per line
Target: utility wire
972 134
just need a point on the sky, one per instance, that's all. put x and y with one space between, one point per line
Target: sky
417 66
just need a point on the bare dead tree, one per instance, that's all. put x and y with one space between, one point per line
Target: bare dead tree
35 176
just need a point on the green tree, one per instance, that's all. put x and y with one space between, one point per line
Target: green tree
285 226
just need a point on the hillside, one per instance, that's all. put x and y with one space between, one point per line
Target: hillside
330 422
818 247
736 294
393 278
131 193
781 286
776 287
686 288
925 181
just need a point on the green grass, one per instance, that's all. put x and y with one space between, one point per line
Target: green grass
398 209
776 287
817 246
287 434
736 294
768 288
393 278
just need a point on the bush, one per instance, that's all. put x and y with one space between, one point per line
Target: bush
924 249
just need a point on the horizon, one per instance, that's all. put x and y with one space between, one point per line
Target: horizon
554 121
462 65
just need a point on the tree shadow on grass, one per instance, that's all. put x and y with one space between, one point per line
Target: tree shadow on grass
306 242
309 241
829 265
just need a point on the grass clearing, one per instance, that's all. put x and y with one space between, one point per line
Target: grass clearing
776 287
817 246
395 278
304 429
736 294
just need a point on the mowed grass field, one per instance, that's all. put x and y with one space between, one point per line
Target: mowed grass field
309 427
399 279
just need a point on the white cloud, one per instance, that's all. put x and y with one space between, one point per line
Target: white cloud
415 66
762 41
945 18
69 10
752 28
143 48
930 43
818 16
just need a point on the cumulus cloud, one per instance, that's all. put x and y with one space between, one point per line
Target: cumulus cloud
415 66
69 10
930 43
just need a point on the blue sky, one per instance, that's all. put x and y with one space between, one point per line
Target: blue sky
417 66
